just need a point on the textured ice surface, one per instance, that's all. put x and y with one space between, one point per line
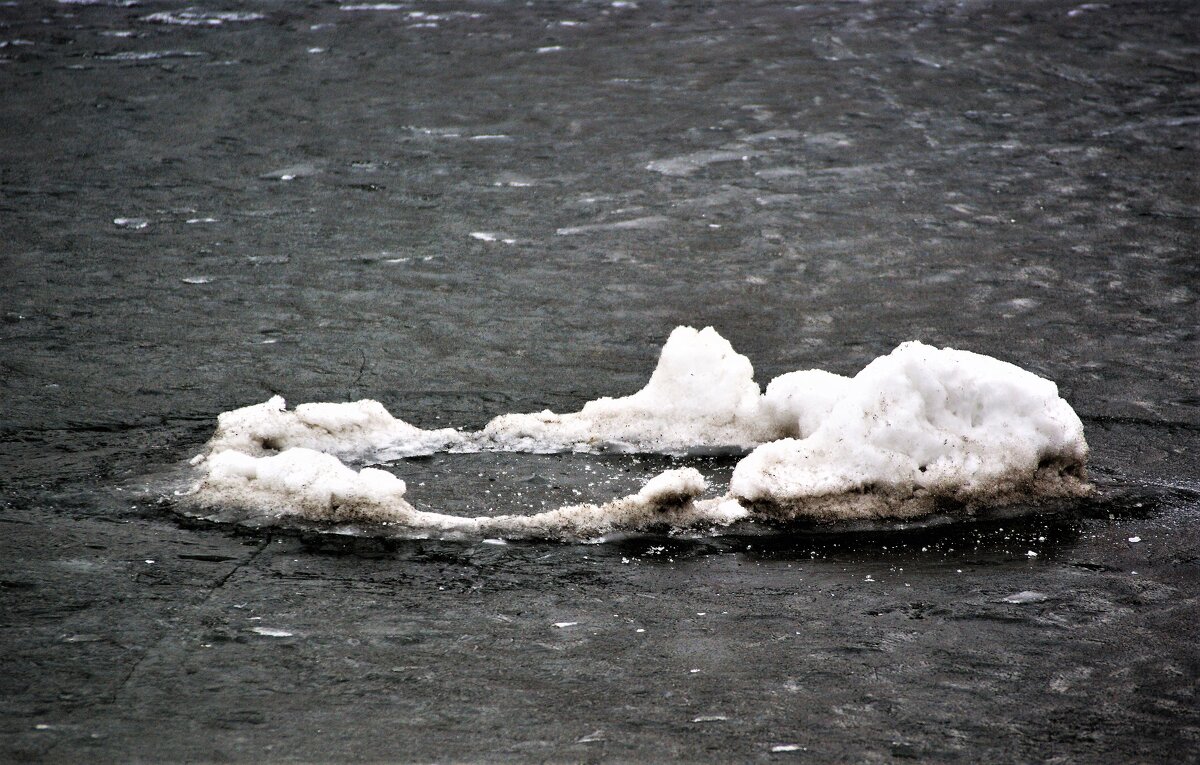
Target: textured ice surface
702 395
916 427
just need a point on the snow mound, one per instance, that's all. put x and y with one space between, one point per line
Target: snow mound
305 483
350 429
701 395
918 430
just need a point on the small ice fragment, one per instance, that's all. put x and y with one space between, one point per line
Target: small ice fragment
201 220
270 632
786 748
1026 596
494 542
1030 554
563 625
693 671
132 223
640 629
484 236
1135 539
596 735
149 560
41 726
289 173
709 718
316 50
490 137
195 280
550 49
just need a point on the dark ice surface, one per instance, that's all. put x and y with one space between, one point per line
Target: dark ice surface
204 205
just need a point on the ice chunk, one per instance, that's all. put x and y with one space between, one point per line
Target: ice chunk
303 482
918 428
356 428
701 394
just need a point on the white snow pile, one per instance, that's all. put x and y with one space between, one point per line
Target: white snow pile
918 431
915 429
358 428
702 395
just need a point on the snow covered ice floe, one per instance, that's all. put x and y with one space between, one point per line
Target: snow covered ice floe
702 395
922 430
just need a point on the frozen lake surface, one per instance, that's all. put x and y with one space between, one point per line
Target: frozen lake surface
467 208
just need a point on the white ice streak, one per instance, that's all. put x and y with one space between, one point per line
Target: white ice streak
918 426
702 395
194 18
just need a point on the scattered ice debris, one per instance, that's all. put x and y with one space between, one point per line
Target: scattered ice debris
191 18
1030 554
1026 596
1135 540
135 224
195 280
270 632
564 625
917 428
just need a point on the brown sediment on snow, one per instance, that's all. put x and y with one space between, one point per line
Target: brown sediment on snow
1050 483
